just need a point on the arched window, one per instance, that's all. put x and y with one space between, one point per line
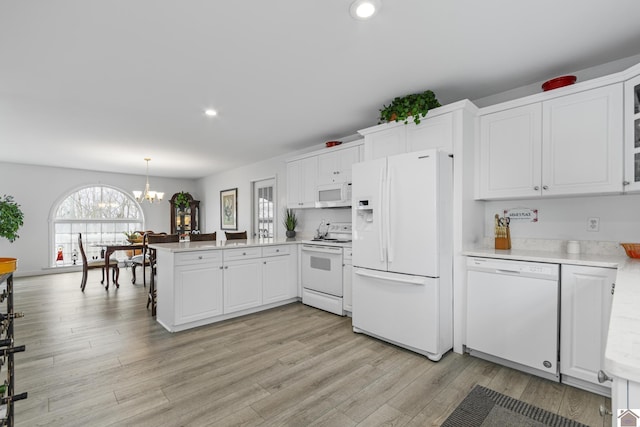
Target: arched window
100 213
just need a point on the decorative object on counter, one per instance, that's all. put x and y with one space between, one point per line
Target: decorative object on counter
415 105
502 233
558 82
229 209
332 143
573 247
290 222
11 218
147 194
632 249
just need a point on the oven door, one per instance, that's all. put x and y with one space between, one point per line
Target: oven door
322 269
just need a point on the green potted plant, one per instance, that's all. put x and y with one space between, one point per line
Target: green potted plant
182 200
290 222
11 219
416 105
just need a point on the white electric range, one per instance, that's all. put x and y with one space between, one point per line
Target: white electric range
322 264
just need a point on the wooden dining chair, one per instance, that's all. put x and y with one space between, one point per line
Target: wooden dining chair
93 264
141 260
241 235
151 239
202 237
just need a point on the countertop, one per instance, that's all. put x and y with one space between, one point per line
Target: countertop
622 352
221 244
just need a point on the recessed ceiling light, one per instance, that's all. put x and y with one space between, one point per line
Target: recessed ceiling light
210 112
364 9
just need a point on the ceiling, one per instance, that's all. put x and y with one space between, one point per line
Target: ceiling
101 85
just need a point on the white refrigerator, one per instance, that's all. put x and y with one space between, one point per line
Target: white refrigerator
402 250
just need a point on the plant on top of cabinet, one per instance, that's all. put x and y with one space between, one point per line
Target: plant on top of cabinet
182 200
11 218
416 105
290 222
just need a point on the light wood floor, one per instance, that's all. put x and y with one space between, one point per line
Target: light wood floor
98 359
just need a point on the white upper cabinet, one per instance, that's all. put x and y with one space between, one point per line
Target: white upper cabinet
632 134
302 175
334 167
566 145
582 142
509 153
436 131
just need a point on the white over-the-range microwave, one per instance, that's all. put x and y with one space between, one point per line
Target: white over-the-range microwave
333 195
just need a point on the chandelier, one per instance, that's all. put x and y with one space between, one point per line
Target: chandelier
148 195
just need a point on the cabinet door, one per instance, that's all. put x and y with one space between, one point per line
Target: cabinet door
585 308
277 279
347 283
335 167
632 134
198 292
385 142
582 142
509 153
242 285
436 132
301 182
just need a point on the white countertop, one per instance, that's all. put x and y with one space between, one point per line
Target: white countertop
622 353
221 244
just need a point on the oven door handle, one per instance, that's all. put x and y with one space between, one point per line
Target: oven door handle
321 249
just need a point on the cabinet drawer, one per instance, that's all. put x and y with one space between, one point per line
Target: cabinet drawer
243 253
197 257
275 250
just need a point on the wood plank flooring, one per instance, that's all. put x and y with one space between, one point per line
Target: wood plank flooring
99 359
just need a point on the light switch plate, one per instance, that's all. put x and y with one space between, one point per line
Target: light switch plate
593 224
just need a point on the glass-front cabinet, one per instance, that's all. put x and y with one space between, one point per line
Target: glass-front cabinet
185 213
632 134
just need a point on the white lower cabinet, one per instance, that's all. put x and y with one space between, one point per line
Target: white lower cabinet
586 296
242 285
278 276
196 288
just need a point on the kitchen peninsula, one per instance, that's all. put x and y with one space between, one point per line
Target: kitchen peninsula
199 283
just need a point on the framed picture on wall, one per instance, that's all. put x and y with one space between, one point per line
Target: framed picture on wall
229 209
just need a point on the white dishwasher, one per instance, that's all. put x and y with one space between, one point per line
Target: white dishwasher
513 315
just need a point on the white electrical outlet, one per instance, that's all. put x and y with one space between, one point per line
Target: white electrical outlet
593 224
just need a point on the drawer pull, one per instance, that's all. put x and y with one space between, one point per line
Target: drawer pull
604 411
602 377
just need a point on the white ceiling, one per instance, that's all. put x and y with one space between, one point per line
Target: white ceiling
102 84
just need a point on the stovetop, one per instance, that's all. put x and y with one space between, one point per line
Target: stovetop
338 234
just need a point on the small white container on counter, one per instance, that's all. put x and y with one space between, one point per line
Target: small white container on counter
573 247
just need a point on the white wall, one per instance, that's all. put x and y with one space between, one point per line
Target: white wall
566 218
242 179
37 189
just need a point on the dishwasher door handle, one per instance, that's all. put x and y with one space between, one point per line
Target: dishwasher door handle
502 271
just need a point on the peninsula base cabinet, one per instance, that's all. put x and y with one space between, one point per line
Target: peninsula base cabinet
586 296
196 288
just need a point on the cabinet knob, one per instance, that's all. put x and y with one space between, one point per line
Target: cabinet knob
545 187
537 188
604 412
625 183
226 267
277 250
602 377
244 253
221 267
200 257
264 262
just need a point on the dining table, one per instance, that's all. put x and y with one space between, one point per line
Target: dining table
111 247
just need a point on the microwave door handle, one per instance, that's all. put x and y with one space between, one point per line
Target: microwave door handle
380 216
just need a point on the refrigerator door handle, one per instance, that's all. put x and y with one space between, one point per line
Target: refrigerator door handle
387 215
381 216
409 280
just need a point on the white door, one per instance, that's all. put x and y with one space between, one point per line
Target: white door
242 285
264 208
398 308
412 222
276 279
509 153
369 247
582 144
198 292
586 306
